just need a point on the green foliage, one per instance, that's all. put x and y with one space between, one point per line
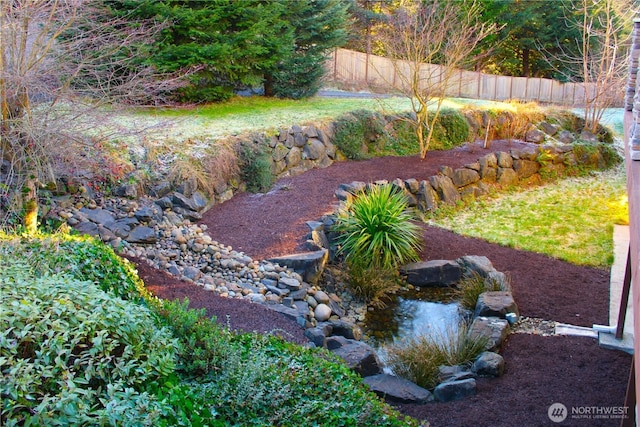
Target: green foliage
80 257
255 167
74 355
375 230
418 359
267 381
451 130
317 27
469 289
360 133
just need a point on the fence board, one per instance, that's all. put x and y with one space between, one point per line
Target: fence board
358 69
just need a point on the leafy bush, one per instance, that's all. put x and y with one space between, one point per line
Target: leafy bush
255 167
74 355
418 359
359 132
451 130
80 257
375 230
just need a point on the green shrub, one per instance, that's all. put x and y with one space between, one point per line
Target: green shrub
74 355
418 359
255 167
401 137
82 257
450 130
375 230
469 289
360 134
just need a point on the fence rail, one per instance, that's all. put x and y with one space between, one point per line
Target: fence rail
361 70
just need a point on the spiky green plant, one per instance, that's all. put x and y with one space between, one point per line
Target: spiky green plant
376 230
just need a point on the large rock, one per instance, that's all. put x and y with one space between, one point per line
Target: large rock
196 202
359 357
495 303
525 168
314 149
99 216
494 328
464 176
142 234
397 389
455 390
489 364
445 189
432 273
309 265
507 177
427 197
475 264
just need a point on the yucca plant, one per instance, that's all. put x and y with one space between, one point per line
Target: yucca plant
376 230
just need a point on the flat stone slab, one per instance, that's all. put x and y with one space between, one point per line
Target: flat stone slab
397 389
309 265
494 328
432 273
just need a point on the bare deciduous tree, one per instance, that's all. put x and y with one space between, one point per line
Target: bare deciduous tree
428 42
599 57
59 61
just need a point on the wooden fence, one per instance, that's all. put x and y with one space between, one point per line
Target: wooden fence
362 71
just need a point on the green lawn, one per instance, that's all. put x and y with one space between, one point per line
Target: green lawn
571 219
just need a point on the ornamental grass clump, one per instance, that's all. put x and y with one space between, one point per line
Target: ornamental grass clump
419 358
470 288
376 236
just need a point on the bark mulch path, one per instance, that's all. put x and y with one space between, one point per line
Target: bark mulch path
539 371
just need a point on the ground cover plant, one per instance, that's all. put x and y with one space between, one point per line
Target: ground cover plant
75 354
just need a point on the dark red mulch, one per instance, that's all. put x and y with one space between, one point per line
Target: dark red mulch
540 370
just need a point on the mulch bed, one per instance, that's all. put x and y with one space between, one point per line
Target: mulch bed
540 370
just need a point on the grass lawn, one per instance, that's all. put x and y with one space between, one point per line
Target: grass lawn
571 219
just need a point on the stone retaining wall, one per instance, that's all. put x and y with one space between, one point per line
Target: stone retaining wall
501 168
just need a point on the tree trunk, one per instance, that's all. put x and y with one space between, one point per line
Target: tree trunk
268 85
526 67
30 207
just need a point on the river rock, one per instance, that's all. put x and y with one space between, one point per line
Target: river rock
397 389
322 312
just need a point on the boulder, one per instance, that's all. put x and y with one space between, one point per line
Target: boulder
345 329
314 149
504 159
506 177
397 389
495 329
359 357
489 364
427 197
475 264
495 303
454 373
445 189
142 234
99 216
432 273
525 168
309 265
455 390
534 135
464 176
